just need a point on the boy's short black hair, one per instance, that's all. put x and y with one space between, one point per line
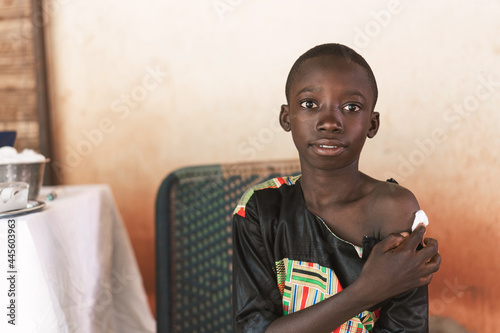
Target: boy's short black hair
332 49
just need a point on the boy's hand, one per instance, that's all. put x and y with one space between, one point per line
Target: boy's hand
395 265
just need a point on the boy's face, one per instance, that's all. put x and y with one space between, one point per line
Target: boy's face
330 112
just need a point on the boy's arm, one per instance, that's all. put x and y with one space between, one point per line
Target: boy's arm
407 312
256 297
394 209
392 268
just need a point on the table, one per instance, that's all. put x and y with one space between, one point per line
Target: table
75 270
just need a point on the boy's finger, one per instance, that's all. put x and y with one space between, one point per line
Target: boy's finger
426 280
435 261
416 236
430 242
429 251
432 266
420 224
392 241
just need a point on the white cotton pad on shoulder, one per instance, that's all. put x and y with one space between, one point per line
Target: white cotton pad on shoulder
420 217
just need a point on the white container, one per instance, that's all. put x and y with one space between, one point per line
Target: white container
13 196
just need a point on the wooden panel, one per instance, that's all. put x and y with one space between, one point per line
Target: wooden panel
15 10
18 88
20 81
17 104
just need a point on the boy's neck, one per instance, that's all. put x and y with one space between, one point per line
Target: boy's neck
326 187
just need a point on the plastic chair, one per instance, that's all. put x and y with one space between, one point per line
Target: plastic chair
194 209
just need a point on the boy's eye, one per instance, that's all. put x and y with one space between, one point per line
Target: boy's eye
352 108
308 104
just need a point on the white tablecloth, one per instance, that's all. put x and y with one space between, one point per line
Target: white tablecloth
76 271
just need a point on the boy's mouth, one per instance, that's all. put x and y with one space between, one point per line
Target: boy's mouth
328 149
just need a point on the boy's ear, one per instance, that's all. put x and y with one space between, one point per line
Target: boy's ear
374 124
285 118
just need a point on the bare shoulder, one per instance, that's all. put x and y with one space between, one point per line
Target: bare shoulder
393 208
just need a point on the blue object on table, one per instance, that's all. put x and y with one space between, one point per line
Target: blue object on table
7 138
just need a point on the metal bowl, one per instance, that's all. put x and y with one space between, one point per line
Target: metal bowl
31 173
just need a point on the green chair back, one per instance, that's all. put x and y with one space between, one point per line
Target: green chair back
194 209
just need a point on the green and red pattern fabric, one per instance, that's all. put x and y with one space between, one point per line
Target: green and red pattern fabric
271 183
303 284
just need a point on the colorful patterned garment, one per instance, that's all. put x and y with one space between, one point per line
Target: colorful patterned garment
303 284
285 259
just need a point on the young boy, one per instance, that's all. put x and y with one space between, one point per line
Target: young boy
305 258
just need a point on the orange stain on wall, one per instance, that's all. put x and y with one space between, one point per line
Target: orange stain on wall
465 222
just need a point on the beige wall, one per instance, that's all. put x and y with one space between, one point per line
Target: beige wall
142 88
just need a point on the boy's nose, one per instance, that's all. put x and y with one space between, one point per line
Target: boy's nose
330 121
